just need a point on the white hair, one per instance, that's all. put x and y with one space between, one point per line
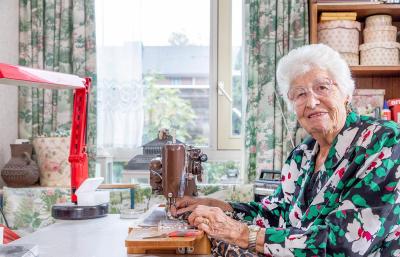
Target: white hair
300 60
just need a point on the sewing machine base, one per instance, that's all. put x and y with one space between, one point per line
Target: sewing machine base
199 245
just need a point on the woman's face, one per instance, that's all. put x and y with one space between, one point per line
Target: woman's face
319 104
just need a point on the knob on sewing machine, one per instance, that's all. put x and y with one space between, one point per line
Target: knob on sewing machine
175 173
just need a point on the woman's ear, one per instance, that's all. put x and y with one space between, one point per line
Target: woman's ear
347 104
347 100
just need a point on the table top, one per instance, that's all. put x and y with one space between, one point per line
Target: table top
102 237
118 186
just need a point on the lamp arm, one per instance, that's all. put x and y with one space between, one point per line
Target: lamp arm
78 152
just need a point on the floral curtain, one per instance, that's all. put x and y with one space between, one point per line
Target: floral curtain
273 28
57 36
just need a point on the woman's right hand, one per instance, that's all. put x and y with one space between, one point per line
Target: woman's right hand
188 204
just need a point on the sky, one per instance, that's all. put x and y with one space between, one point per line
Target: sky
153 21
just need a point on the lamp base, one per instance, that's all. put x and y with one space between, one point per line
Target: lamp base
71 211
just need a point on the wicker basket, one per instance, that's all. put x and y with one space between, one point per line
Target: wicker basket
380 53
341 35
351 58
378 20
380 34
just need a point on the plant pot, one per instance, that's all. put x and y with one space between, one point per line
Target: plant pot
52 155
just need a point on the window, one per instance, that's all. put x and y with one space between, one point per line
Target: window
158 65
230 56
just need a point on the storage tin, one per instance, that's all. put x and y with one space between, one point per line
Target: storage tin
351 58
341 35
380 53
380 34
378 20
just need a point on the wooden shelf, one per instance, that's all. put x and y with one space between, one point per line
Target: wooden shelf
363 10
363 71
365 77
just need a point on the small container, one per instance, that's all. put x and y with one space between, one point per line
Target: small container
380 53
341 35
394 105
380 34
378 20
386 113
351 58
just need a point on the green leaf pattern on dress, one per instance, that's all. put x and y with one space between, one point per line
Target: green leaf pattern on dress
354 207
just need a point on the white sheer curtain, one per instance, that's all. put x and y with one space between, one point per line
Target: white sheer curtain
119 74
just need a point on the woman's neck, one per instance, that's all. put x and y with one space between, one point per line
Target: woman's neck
321 156
324 140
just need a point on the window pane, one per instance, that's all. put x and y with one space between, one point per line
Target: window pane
153 70
237 60
221 172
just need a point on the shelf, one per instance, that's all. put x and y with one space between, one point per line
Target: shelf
366 77
361 71
363 10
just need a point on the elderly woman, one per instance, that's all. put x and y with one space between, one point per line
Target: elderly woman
339 194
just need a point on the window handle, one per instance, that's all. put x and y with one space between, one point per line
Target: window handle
221 91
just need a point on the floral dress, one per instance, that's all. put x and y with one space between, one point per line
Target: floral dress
352 208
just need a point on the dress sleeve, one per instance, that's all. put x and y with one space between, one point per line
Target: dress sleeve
272 209
363 220
260 213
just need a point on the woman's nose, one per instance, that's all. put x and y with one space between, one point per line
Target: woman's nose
312 100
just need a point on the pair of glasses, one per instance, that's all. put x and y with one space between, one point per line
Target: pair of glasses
300 95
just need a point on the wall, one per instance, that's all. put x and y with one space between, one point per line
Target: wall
8 94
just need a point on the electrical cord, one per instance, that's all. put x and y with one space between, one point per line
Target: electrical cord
4 217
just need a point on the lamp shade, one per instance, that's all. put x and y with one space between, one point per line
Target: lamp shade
22 76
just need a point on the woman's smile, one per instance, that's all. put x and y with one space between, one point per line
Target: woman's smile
317 115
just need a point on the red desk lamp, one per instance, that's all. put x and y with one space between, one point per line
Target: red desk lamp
22 76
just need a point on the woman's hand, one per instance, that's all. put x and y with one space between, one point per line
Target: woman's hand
188 204
217 224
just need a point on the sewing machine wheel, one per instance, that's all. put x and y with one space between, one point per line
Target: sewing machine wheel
71 211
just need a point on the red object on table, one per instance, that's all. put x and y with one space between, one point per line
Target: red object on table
185 233
9 235
23 76
394 105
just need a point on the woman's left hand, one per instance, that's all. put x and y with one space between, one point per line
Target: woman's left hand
217 224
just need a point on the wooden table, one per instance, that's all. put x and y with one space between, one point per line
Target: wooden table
131 188
103 237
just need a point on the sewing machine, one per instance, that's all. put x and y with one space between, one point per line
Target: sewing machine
174 174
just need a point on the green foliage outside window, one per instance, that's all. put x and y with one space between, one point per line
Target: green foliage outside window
164 108
118 167
216 172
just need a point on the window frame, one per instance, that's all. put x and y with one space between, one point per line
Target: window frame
222 145
226 141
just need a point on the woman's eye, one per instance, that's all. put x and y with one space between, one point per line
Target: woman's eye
301 94
323 87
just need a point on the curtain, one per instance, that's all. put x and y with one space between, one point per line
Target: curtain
56 35
272 29
119 65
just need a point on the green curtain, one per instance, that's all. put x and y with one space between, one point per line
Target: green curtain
273 28
56 35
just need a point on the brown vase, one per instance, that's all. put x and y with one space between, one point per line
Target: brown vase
21 170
